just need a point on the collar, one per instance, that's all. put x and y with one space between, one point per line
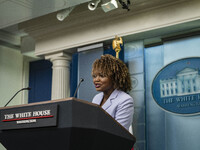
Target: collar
108 103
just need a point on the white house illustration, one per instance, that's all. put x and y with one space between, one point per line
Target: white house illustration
187 81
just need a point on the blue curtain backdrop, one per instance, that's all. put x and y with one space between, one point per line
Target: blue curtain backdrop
40 79
73 74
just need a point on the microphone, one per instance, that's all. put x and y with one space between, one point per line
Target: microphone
81 80
28 88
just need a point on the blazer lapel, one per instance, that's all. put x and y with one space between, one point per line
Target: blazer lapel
108 103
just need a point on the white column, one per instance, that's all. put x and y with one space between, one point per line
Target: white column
61 74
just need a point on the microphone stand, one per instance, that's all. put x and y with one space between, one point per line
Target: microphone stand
16 94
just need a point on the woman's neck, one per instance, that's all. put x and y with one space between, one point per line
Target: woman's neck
107 93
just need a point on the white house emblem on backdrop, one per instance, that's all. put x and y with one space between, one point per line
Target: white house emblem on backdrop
187 81
176 87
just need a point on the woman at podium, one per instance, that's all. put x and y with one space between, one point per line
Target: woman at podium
112 79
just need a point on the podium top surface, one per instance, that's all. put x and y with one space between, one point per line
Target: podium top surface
47 102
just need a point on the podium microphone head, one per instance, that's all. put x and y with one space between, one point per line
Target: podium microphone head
81 80
28 88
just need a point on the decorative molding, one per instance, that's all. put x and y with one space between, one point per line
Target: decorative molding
58 55
10 38
90 47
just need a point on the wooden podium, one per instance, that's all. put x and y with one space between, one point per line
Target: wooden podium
67 124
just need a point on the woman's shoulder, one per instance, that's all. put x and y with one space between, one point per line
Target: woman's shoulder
124 97
124 94
124 101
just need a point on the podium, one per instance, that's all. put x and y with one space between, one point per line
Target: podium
66 124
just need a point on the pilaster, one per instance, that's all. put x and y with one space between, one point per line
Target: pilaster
61 74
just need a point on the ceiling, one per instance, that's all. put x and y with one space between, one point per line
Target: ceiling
13 12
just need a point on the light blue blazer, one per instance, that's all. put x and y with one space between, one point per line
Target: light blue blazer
119 105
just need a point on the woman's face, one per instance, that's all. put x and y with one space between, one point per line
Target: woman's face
102 83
